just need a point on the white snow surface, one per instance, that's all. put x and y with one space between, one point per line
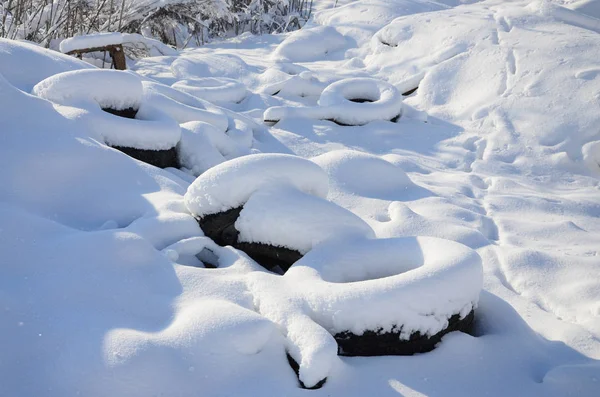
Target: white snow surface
215 90
286 217
25 64
102 285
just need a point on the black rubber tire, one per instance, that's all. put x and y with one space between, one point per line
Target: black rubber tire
373 343
296 369
220 227
158 158
128 113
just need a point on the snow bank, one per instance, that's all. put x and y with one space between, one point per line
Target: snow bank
306 45
230 184
215 90
286 217
355 101
361 19
26 64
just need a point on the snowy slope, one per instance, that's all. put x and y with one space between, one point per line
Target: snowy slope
498 149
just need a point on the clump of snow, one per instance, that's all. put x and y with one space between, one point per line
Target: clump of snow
90 41
203 146
111 89
230 184
309 44
25 64
303 84
355 101
356 170
591 155
98 40
241 132
215 90
285 217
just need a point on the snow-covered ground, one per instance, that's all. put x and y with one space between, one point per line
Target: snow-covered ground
497 150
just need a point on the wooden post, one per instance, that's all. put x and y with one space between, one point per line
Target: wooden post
118 56
115 51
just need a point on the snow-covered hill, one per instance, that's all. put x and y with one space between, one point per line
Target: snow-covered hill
497 148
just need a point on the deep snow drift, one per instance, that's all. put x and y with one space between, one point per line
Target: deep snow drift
489 178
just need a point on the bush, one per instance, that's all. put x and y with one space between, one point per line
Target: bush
179 23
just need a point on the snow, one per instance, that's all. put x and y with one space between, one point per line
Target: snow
309 45
489 181
380 101
111 89
230 184
286 217
25 64
98 40
183 107
90 91
215 90
203 146
90 41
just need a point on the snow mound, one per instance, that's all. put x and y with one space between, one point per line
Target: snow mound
230 184
209 65
111 89
361 19
183 107
591 155
354 170
209 326
25 64
94 90
215 90
203 146
303 84
354 101
307 45
285 217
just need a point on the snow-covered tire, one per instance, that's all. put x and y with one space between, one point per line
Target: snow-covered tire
412 292
116 112
271 206
355 101
213 89
220 227
376 343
